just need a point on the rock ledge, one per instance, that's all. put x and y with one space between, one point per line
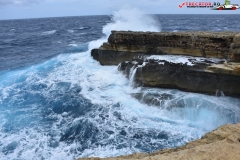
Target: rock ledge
203 62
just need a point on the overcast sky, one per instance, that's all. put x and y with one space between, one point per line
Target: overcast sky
18 9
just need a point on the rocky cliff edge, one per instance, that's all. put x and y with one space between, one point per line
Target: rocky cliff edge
128 44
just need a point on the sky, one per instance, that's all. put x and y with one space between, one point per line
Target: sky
20 9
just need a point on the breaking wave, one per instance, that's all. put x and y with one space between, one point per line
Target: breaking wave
71 107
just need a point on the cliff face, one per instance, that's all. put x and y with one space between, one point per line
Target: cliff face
203 69
222 143
200 77
204 44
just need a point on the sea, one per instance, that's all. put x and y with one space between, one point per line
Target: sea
57 102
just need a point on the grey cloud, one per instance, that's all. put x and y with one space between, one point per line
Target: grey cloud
18 2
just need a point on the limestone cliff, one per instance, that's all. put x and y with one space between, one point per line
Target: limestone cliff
124 45
202 75
216 70
220 144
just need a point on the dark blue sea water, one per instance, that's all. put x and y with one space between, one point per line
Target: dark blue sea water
56 102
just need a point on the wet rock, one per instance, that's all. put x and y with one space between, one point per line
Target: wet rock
199 78
153 99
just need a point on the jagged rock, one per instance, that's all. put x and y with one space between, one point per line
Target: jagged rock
111 57
222 143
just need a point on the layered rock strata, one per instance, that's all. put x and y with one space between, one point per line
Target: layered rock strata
210 76
125 45
218 71
222 143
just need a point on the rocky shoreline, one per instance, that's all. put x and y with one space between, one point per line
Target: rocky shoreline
222 143
203 62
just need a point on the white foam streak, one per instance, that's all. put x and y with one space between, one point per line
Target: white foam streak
182 59
49 32
70 31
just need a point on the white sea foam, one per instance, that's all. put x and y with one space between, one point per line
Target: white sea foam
70 31
73 45
81 28
138 21
183 59
185 117
105 86
49 32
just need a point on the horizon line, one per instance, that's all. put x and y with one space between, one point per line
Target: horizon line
111 15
